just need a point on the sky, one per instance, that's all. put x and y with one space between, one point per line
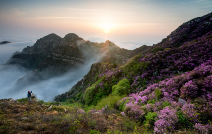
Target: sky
127 23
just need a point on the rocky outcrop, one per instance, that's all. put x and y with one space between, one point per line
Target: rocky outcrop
68 52
50 51
44 45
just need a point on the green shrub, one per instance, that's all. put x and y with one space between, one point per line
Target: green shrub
158 93
157 49
150 120
166 103
134 67
150 117
91 92
167 49
123 87
127 125
79 96
58 108
94 132
151 101
183 121
123 103
110 101
102 92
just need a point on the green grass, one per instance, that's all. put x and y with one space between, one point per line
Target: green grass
23 100
75 104
110 101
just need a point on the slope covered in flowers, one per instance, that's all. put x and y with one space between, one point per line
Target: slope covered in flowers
183 101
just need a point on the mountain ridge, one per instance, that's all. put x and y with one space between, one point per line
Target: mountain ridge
57 56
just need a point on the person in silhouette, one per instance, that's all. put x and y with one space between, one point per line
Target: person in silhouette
29 95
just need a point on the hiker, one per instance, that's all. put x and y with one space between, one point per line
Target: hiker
29 95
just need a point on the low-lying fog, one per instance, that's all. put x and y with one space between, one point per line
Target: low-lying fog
44 90
7 50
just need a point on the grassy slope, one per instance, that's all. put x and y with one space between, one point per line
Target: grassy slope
35 117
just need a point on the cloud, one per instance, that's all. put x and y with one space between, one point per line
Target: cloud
45 89
17 44
12 13
132 45
96 39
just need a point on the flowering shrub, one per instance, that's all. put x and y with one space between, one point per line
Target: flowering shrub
203 129
169 91
136 112
189 90
189 112
166 120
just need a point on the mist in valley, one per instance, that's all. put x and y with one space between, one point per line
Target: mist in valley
44 90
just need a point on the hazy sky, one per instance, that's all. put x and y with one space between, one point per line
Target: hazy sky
129 23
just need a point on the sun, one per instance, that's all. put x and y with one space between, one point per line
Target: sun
106 26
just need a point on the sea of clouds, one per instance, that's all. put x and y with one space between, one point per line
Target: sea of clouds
44 90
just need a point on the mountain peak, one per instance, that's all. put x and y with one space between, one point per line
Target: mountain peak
71 37
110 43
51 36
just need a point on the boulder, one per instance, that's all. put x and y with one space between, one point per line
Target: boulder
182 101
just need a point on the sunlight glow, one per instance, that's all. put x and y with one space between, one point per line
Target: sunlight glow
106 26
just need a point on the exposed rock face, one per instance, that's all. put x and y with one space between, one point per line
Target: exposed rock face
50 51
70 51
43 45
